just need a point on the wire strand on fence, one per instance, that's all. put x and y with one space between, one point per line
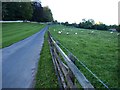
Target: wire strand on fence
82 64
79 76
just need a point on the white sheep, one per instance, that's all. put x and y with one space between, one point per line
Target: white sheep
118 34
59 32
92 32
111 32
67 33
76 33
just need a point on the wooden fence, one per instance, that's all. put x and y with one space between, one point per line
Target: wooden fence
66 70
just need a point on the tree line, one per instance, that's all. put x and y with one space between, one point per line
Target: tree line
90 24
32 11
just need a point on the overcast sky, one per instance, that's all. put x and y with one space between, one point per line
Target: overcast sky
105 11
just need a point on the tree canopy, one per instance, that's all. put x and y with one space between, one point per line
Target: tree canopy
90 24
37 12
32 11
47 14
16 10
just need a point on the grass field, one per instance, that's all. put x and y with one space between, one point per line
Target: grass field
14 32
96 49
45 77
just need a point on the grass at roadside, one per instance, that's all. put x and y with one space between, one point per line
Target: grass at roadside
45 77
98 50
14 32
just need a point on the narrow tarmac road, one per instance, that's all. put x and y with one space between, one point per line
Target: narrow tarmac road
19 61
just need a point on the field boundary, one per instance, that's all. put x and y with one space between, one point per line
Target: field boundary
81 63
66 70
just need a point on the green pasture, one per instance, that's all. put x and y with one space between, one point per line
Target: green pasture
14 32
98 50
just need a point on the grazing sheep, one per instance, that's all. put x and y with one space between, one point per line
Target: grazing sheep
59 32
76 33
92 32
111 32
67 33
118 34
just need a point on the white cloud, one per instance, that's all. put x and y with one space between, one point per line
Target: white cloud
105 11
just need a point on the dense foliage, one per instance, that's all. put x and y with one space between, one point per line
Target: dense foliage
90 24
16 11
32 11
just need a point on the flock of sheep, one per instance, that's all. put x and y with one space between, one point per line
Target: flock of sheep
92 32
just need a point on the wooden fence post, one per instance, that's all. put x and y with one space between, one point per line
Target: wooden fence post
67 74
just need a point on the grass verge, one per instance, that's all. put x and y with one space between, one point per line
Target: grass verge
45 77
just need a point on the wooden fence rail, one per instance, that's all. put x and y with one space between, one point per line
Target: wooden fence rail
66 70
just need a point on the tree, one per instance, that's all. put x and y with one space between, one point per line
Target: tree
100 27
88 24
55 22
92 21
16 10
66 23
47 14
37 12
26 10
74 24
4 10
32 11
84 20
118 28
41 14
8 10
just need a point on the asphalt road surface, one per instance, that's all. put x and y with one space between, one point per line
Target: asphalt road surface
19 61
